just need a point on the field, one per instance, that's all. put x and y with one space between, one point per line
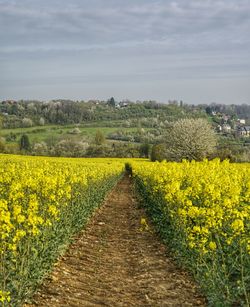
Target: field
43 203
53 133
200 209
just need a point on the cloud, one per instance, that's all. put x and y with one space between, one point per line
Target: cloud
158 38
111 21
186 25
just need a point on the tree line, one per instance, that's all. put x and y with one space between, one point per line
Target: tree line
16 114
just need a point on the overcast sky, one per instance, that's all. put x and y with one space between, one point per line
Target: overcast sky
194 50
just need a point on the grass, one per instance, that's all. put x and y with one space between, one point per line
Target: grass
55 132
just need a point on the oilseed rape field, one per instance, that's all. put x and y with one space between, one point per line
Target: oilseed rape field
43 202
202 211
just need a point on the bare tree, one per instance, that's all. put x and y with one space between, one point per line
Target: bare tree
191 139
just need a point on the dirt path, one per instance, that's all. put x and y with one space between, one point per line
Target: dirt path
114 263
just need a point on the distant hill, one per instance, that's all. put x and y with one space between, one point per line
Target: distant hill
127 129
27 113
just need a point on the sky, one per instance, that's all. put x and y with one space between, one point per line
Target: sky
197 51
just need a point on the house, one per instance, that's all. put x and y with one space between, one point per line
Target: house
123 104
225 117
95 102
226 128
244 131
241 121
219 128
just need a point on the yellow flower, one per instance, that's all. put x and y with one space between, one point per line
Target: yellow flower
144 224
4 296
238 225
212 245
201 199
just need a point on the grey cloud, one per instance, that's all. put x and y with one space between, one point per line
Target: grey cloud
159 40
128 21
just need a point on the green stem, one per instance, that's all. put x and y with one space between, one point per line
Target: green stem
242 276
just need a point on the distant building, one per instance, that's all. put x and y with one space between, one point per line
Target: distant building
226 128
173 102
219 128
241 121
123 104
225 117
9 102
95 102
244 131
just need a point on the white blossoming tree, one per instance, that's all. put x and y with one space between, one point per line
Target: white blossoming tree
191 139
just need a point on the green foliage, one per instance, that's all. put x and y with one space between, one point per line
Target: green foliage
69 148
158 152
223 153
11 137
27 122
75 130
40 149
2 145
12 148
99 138
24 142
111 102
98 151
115 150
146 122
62 112
144 150
41 121
128 168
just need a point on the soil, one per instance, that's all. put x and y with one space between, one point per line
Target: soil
118 261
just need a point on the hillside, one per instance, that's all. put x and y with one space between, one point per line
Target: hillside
69 128
109 128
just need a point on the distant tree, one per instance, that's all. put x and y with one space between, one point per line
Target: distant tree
191 139
41 121
99 138
111 102
131 151
11 137
144 150
208 110
98 151
76 130
223 153
158 152
51 140
12 148
24 142
127 123
27 122
2 144
70 148
12 121
40 149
